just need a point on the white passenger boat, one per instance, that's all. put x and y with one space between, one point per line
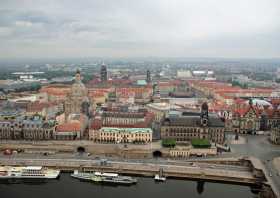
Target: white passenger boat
28 172
110 178
159 178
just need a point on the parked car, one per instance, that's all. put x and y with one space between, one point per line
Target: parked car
7 152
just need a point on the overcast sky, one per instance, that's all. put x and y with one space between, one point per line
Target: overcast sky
139 28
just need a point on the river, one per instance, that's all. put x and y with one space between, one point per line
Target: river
67 187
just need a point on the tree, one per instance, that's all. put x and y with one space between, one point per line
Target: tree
168 143
200 143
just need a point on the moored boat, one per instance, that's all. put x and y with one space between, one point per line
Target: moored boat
159 178
109 178
27 172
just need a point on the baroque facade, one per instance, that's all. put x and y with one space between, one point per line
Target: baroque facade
123 135
77 100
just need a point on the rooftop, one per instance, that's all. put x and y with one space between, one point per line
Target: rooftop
126 130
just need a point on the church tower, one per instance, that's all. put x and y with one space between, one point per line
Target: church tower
148 77
204 114
103 73
156 93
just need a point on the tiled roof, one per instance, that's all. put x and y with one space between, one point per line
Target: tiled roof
69 127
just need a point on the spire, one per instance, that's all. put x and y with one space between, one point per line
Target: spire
103 72
78 76
148 77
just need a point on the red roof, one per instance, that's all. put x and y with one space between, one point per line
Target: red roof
69 127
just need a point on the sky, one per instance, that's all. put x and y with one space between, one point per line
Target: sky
139 28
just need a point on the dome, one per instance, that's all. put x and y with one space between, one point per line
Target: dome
78 89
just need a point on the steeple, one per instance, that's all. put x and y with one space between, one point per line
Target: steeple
204 114
103 73
78 76
148 76
156 93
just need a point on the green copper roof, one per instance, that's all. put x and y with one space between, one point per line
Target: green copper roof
125 130
141 82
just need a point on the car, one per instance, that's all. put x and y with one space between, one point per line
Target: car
8 152
88 154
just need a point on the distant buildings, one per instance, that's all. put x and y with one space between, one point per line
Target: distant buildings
184 74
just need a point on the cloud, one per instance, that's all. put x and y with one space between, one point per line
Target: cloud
23 23
191 28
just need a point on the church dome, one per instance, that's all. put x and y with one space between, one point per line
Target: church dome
78 88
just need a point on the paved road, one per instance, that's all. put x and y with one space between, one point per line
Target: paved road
83 158
259 146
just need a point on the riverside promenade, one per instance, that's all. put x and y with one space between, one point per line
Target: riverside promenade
245 171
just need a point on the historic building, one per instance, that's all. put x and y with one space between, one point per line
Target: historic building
122 118
185 126
246 120
103 73
156 93
148 77
36 128
69 131
9 111
77 100
253 117
123 135
275 135
30 128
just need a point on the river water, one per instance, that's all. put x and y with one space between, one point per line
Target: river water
67 187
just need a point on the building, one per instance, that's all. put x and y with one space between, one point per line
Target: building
159 110
275 135
256 115
185 126
31 128
184 74
103 73
124 135
77 100
156 93
55 92
68 131
122 118
187 151
9 111
37 129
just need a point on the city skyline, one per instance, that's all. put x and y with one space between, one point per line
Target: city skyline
59 29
